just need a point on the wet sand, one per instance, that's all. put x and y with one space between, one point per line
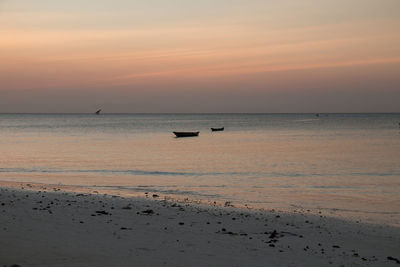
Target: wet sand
51 226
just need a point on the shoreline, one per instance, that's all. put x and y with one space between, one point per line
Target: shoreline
54 227
358 216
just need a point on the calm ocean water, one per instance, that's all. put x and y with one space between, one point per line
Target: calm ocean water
342 164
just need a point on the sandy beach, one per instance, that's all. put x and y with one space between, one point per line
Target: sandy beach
51 226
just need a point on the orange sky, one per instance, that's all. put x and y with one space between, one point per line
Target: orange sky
213 56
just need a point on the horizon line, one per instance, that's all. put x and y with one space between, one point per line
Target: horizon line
185 113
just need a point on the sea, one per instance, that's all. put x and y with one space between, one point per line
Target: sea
344 165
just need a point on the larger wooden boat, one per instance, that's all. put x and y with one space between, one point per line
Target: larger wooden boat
186 134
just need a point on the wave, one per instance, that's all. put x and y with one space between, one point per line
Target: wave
173 173
159 189
123 172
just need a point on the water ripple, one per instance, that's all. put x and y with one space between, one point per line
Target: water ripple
172 173
124 172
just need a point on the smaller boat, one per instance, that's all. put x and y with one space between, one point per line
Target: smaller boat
186 134
217 129
98 112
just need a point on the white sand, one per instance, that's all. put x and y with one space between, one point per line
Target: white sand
74 229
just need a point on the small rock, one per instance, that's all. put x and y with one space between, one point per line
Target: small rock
148 212
393 259
103 212
273 234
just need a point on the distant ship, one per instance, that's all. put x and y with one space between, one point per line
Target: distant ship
98 112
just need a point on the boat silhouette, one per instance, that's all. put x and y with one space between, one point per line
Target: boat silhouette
186 134
217 129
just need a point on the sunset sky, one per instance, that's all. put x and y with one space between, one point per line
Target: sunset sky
200 56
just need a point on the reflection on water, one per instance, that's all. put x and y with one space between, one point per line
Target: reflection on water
339 162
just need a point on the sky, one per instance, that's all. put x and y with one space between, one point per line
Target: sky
155 56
